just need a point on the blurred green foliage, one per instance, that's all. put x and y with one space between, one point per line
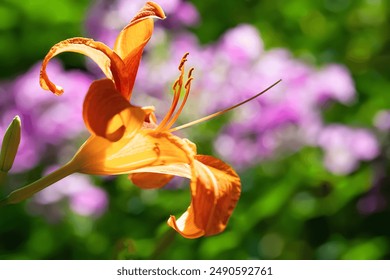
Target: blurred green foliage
290 208
28 29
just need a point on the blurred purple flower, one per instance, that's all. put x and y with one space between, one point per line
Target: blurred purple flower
186 14
84 198
382 120
375 199
345 146
90 201
289 116
371 203
46 119
333 82
241 45
106 17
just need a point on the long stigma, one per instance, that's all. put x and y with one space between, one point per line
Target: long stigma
177 88
222 111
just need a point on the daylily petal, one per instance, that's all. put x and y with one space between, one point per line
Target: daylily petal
215 189
106 59
138 32
150 118
108 114
99 156
228 192
131 42
215 193
157 176
185 225
150 180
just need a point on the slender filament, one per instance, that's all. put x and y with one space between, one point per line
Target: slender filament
177 87
188 89
170 117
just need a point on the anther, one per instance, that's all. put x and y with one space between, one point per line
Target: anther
171 116
190 72
183 60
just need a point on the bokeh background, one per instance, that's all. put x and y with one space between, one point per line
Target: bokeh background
312 153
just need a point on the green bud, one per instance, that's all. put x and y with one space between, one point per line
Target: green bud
10 145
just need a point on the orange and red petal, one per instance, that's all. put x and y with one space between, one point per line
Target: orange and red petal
215 192
106 59
132 152
185 225
132 40
108 114
146 180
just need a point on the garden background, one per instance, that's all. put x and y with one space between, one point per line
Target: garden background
312 152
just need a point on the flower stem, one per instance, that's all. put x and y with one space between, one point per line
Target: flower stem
166 240
3 176
29 190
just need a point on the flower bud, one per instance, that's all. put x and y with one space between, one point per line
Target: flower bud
10 145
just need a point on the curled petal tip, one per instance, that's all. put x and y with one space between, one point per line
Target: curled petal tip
156 8
185 228
58 90
47 85
106 59
151 9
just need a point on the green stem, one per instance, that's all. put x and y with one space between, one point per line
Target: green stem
29 190
166 240
3 176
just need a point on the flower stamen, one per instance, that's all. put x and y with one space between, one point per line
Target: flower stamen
187 87
170 118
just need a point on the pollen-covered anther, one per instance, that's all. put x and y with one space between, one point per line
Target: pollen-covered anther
190 72
183 61
187 87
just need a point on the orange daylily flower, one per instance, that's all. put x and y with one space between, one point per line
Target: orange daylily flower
126 139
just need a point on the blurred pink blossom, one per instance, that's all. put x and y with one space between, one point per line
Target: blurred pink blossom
83 197
382 120
344 147
47 120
